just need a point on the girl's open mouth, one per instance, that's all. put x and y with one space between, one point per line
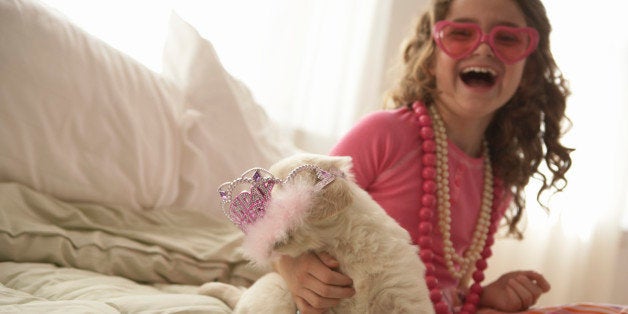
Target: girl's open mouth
478 77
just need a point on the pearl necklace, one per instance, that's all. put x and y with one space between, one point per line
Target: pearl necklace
472 254
436 181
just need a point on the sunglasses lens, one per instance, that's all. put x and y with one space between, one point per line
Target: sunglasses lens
458 40
511 44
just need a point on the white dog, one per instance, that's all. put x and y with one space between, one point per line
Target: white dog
318 207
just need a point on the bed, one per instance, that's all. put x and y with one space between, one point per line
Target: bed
109 171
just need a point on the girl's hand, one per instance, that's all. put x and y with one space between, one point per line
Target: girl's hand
514 291
314 281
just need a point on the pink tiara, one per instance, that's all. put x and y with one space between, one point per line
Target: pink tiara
248 206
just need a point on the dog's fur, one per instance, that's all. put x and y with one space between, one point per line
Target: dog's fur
346 222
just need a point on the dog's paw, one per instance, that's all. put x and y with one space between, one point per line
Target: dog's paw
227 293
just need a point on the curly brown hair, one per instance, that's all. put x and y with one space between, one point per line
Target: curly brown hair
525 131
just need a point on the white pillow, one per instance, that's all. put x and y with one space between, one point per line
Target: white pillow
226 131
80 120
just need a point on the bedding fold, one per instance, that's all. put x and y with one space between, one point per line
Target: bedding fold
159 246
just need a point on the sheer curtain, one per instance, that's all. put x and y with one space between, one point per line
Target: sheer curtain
318 65
313 64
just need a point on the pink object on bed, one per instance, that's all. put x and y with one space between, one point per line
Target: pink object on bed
582 308
586 308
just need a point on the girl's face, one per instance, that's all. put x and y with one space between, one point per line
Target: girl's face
475 86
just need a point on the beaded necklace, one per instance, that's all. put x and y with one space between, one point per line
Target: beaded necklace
435 198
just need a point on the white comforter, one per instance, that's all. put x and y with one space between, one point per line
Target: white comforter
87 258
31 287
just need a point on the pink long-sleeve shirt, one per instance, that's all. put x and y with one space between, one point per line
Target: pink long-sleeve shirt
386 151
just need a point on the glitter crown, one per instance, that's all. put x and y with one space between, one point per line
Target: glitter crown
253 193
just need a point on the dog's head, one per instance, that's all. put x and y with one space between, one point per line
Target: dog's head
301 209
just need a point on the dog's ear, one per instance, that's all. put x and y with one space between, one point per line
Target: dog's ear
337 195
330 200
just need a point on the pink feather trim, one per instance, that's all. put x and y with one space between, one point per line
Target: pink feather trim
286 211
